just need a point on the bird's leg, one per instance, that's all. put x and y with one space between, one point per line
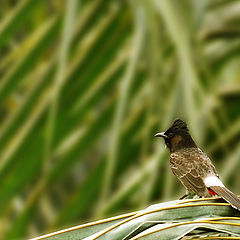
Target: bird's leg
187 195
184 196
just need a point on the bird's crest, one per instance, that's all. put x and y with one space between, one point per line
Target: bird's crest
177 126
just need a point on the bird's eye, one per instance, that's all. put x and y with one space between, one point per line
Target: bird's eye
170 135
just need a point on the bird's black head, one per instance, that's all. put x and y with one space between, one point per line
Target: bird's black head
177 136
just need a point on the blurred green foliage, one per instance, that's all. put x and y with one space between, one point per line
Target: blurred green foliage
84 86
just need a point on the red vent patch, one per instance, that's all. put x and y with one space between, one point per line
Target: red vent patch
212 193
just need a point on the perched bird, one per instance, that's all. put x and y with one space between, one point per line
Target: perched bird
192 166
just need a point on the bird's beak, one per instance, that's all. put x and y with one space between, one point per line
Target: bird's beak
161 134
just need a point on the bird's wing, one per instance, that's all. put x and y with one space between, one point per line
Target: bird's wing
187 170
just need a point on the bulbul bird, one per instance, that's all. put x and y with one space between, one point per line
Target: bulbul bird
192 166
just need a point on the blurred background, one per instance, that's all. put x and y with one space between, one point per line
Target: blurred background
85 85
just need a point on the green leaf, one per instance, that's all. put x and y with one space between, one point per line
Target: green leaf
169 220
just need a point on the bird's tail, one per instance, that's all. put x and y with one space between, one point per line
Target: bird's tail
227 195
